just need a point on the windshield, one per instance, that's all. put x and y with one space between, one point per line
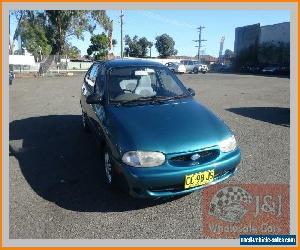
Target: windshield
143 83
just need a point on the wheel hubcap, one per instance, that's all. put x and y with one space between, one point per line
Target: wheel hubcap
108 168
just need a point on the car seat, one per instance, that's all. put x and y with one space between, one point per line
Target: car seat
144 87
128 84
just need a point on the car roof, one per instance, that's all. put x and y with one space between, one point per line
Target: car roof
130 62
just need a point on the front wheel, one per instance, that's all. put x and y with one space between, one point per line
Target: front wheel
112 179
108 167
195 71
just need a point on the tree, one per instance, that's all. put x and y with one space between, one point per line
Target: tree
33 34
229 55
51 30
99 46
165 46
18 15
150 45
136 47
73 52
114 43
63 24
100 17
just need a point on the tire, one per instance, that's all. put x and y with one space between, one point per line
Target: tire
203 72
195 71
111 178
84 122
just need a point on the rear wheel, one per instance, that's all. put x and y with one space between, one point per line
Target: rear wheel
84 122
195 71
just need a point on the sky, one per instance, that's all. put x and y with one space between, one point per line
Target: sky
182 25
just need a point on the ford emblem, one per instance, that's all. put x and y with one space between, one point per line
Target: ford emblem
195 157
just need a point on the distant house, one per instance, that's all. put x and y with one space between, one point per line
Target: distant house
208 59
81 59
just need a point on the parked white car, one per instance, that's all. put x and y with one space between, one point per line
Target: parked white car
203 68
176 67
194 66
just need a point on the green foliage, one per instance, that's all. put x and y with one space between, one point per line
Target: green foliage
150 44
73 52
33 34
229 54
99 46
114 42
51 30
102 19
136 47
165 46
61 25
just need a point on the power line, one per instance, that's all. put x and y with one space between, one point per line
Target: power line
200 28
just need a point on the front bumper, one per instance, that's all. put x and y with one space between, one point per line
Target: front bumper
168 180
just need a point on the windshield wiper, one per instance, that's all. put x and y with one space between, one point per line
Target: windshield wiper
151 99
181 96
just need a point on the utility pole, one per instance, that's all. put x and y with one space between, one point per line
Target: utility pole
10 43
121 20
200 28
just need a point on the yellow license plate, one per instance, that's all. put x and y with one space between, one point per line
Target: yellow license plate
199 179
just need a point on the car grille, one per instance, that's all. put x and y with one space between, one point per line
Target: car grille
204 157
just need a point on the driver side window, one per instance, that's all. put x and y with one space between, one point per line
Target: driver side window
100 81
92 75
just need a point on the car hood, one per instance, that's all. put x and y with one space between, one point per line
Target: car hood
173 127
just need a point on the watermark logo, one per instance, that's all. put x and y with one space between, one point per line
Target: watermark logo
230 203
232 210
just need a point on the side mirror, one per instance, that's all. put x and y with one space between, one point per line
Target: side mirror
191 91
94 99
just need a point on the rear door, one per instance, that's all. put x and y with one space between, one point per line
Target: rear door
97 112
189 66
88 88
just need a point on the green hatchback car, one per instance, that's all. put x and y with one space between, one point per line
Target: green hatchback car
156 139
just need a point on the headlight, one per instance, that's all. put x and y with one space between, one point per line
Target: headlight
143 159
228 144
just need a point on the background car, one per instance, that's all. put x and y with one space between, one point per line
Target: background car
204 68
270 70
11 77
176 67
194 66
